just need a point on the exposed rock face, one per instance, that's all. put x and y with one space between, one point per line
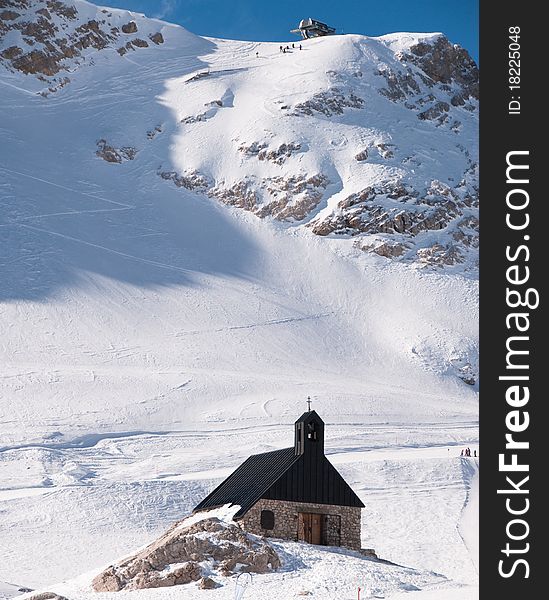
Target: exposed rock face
284 198
47 596
331 102
294 197
280 154
435 111
157 38
385 249
240 194
399 85
114 155
466 371
152 133
447 63
195 118
385 150
139 43
54 37
439 64
437 254
192 180
361 156
396 210
8 15
174 559
253 149
207 583
130 27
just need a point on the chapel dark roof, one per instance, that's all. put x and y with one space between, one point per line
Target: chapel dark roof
298 474
250 481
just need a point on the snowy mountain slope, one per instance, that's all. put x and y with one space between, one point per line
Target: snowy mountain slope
128 297
50 39
373 138
154 331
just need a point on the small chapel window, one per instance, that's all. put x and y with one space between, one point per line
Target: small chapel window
267 519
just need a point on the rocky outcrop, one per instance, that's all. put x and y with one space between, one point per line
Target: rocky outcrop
466 232
293 198
385 249
112 580
439 254
157 38
331 102
263 151
207 583
241 194
400 85
152 133
446 63
433 64
396 211
52 37
385 150
280 154
8 15
139 43
361 156
114 155
191 180
288 198
252 149
284 198
436 111
46 596
195 118
176 558
130 27
376 219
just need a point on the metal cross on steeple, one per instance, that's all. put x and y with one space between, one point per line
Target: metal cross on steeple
309 402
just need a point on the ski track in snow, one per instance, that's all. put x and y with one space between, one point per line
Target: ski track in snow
111 250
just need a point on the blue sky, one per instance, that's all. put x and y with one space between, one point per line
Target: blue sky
271 20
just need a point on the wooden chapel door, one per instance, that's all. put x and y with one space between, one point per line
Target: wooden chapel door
310 528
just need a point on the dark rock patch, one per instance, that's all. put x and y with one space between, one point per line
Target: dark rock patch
130 27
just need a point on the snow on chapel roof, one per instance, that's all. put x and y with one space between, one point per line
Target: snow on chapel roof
254 477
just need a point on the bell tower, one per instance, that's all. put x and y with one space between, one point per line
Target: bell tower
309 434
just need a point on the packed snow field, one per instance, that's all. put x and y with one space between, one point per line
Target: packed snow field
151 338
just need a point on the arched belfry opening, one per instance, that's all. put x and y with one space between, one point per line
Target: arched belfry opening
309 434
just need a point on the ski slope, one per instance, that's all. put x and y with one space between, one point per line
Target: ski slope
152 337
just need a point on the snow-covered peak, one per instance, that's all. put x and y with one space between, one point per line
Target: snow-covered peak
372 139
196 235
249 213
402 42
